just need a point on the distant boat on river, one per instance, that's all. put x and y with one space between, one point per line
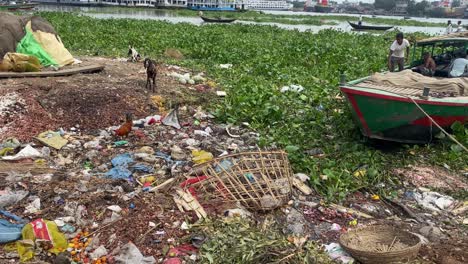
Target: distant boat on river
367 27
218 20
216 5
319 6
13 6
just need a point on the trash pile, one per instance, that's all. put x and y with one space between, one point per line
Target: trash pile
100 198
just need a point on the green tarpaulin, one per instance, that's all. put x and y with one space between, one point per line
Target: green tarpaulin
28 45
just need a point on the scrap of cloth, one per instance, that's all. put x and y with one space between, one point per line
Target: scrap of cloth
410 79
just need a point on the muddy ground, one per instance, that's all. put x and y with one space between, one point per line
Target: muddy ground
90 101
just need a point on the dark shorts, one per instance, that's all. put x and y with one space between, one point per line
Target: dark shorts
394 61
426 72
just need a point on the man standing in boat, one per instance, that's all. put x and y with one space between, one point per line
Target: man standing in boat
449 28
399 53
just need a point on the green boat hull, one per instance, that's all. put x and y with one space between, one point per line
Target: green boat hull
387 116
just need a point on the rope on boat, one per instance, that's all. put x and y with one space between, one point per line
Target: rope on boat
433 121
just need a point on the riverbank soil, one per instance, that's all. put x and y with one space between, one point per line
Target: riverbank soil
95 186
88 101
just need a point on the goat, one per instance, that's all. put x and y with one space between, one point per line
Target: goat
151 72
133 54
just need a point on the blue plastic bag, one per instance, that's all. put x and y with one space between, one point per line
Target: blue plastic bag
122 160
10 232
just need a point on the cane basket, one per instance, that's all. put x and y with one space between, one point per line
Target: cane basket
259 180
363 244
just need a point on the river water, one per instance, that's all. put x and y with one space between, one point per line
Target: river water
167 15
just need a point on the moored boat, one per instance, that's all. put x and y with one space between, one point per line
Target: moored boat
216 5
320 8
218 20
386 106
368 27
17 6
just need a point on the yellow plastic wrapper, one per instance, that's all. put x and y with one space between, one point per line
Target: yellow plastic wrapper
17 62
52 139
40 233
201 156
159 101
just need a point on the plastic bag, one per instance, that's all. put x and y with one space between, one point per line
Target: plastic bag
17 62
130 254
37 232
27 153
10 232
52 139
28 45
201 156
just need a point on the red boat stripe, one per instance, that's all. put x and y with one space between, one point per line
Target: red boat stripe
352 100
395 98
443 121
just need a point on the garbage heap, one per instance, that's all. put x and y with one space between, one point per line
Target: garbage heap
98 198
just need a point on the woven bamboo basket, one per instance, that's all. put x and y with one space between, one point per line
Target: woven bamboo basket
353 242
259 180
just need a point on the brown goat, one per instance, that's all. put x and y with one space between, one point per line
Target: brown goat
151 72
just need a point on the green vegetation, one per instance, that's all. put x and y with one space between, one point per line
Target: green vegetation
265 58
240 241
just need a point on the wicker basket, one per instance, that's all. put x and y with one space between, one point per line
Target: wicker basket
384 235
258 180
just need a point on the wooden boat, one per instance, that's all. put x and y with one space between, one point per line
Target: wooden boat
64 72
366 27
218 20
13 7
401 113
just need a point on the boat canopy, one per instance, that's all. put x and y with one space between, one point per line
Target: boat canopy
451 38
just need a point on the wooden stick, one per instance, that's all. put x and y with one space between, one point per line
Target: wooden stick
162 185
405 209
140 239
104 226
391 245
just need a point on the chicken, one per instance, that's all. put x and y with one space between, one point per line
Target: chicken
126 128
